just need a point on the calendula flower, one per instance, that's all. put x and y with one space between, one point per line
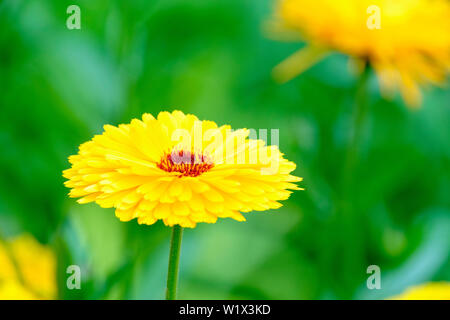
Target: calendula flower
427 291
407 42
180 170
28 270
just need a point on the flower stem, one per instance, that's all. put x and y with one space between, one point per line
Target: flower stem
174 259
361 104
351 217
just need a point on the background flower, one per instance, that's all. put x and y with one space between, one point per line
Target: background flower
410 47
28 270
427 291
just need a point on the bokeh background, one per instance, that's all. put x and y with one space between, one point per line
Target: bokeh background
213 58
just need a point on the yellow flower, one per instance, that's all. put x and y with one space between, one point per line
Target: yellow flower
427 291
14 290
28 270
179 169
407 42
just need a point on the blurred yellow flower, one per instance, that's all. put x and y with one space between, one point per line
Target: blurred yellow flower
179 169
428 291
28 270
407 42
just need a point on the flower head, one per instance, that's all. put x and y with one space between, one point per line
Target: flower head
406 41
427 291
28 270
179 169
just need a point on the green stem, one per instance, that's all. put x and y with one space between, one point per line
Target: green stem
359 116
174 259
349 227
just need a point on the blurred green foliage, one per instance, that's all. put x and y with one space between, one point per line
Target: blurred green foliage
212 58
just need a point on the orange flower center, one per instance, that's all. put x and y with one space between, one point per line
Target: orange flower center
188 164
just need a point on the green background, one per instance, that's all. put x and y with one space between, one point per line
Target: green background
213 59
